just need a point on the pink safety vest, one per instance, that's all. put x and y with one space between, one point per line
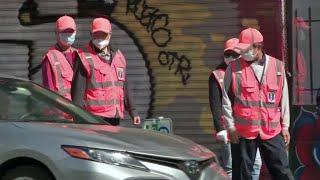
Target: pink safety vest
104 95
256 107
62 71
219 76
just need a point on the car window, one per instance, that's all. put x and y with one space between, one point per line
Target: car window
25 101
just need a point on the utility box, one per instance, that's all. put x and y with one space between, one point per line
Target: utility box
161 124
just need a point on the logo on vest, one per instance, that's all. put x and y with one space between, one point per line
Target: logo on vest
271 97
120 74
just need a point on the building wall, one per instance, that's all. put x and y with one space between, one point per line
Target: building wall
305 94
171 47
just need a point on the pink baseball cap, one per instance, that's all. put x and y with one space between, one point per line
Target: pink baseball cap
65 22
101 24
248 37
230 44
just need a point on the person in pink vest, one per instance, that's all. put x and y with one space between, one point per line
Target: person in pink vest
215 98
256 108
57 63
100 82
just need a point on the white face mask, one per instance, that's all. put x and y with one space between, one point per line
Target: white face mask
249 56
67 39
100 43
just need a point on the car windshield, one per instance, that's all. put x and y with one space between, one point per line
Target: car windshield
26 101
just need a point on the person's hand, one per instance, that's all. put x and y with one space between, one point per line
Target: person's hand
222 136
234 135
136 120
286 136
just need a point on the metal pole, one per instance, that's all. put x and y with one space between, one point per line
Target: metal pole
296 83
310 53
283 33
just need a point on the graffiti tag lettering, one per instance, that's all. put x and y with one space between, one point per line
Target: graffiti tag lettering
156 24
153 20
183 64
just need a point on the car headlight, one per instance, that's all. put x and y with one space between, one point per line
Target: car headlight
104 156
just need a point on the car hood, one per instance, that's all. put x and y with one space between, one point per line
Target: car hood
131 140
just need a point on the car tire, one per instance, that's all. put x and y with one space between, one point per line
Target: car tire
30 172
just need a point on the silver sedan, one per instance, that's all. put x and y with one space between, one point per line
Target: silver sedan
44 137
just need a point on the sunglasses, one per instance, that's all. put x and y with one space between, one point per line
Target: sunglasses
232 55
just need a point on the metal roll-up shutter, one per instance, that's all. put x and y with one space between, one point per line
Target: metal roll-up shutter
183 41
34 22
171 47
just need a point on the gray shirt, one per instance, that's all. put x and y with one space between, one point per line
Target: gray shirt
258 70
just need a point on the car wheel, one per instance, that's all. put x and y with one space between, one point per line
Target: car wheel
27 173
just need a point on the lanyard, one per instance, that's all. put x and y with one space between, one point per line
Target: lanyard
264 68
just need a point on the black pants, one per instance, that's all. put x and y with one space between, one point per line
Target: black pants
272 151
112 121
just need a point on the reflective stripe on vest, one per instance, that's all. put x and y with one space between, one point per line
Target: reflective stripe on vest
93 83
102 102
246 122
254 103
219 76
238 77
61 90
